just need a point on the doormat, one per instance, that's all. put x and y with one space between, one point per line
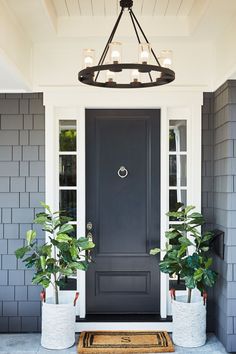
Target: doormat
124 342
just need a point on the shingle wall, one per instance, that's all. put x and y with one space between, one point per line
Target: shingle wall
22 179
219 140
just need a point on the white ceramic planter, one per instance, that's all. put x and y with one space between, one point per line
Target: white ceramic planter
189 322
58 325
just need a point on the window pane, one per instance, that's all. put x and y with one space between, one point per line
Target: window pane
67 167
70 284
177 170
175 197
67 135
74 232
68 203
178 135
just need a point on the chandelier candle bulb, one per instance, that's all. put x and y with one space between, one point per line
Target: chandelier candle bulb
88 57
144 53
110 76
115 52
166 58
135 75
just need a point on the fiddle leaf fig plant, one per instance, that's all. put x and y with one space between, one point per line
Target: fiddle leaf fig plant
58 258
186 252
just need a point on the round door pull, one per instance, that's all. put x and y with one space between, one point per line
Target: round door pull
122 172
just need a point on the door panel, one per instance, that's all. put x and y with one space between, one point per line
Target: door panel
124 211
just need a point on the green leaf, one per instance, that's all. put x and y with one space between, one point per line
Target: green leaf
205 249
82 265
182 250
198 274
189 208
208 263
73 251
195 215
43 262
155 251
20 252
190 282
40 220
85 244
184 240
193 261
30 236
47 207
209 277
63 238
66 228
171 234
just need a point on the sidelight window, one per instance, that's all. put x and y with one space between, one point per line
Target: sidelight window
177 173
67 178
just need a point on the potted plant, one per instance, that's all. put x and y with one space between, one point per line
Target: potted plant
186 256
55 260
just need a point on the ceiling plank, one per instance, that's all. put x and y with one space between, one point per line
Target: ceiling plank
98 7
137 7
73 7
160 7
185 7
111 7
173 7
148 7
85 7
61 8
50 12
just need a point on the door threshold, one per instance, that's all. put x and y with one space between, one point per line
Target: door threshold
123 318
123 322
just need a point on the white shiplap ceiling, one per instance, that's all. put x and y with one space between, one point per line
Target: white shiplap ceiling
71 8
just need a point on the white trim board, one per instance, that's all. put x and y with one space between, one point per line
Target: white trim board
118 326
70 103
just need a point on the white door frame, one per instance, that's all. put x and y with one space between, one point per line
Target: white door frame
66 103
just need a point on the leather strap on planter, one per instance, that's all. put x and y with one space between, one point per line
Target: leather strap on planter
204 295
172 294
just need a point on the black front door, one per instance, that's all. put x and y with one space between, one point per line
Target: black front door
123 205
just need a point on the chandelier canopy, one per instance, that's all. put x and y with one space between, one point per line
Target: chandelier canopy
110 66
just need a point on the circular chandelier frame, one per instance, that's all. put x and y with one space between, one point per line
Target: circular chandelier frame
90 75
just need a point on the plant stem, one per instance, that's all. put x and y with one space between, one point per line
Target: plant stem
56 291
189 295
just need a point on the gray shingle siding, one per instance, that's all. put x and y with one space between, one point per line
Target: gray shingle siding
219 142
21 163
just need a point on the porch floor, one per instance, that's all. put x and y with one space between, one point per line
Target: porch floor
29 343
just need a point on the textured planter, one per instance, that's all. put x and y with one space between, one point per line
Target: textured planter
58 325
189 322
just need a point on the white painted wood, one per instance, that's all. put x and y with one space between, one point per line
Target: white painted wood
112 7
98 7
148 7
126 326
137 7
61 7
73 7
160 8
173 7
185 7
164 206
85 7
63 103
81 203
49 166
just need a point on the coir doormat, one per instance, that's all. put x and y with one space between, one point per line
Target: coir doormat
124 342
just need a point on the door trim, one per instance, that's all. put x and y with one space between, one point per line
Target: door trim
70 103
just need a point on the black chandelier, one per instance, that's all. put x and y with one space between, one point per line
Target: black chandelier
142 74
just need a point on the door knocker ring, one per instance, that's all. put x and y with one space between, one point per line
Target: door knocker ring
122 172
